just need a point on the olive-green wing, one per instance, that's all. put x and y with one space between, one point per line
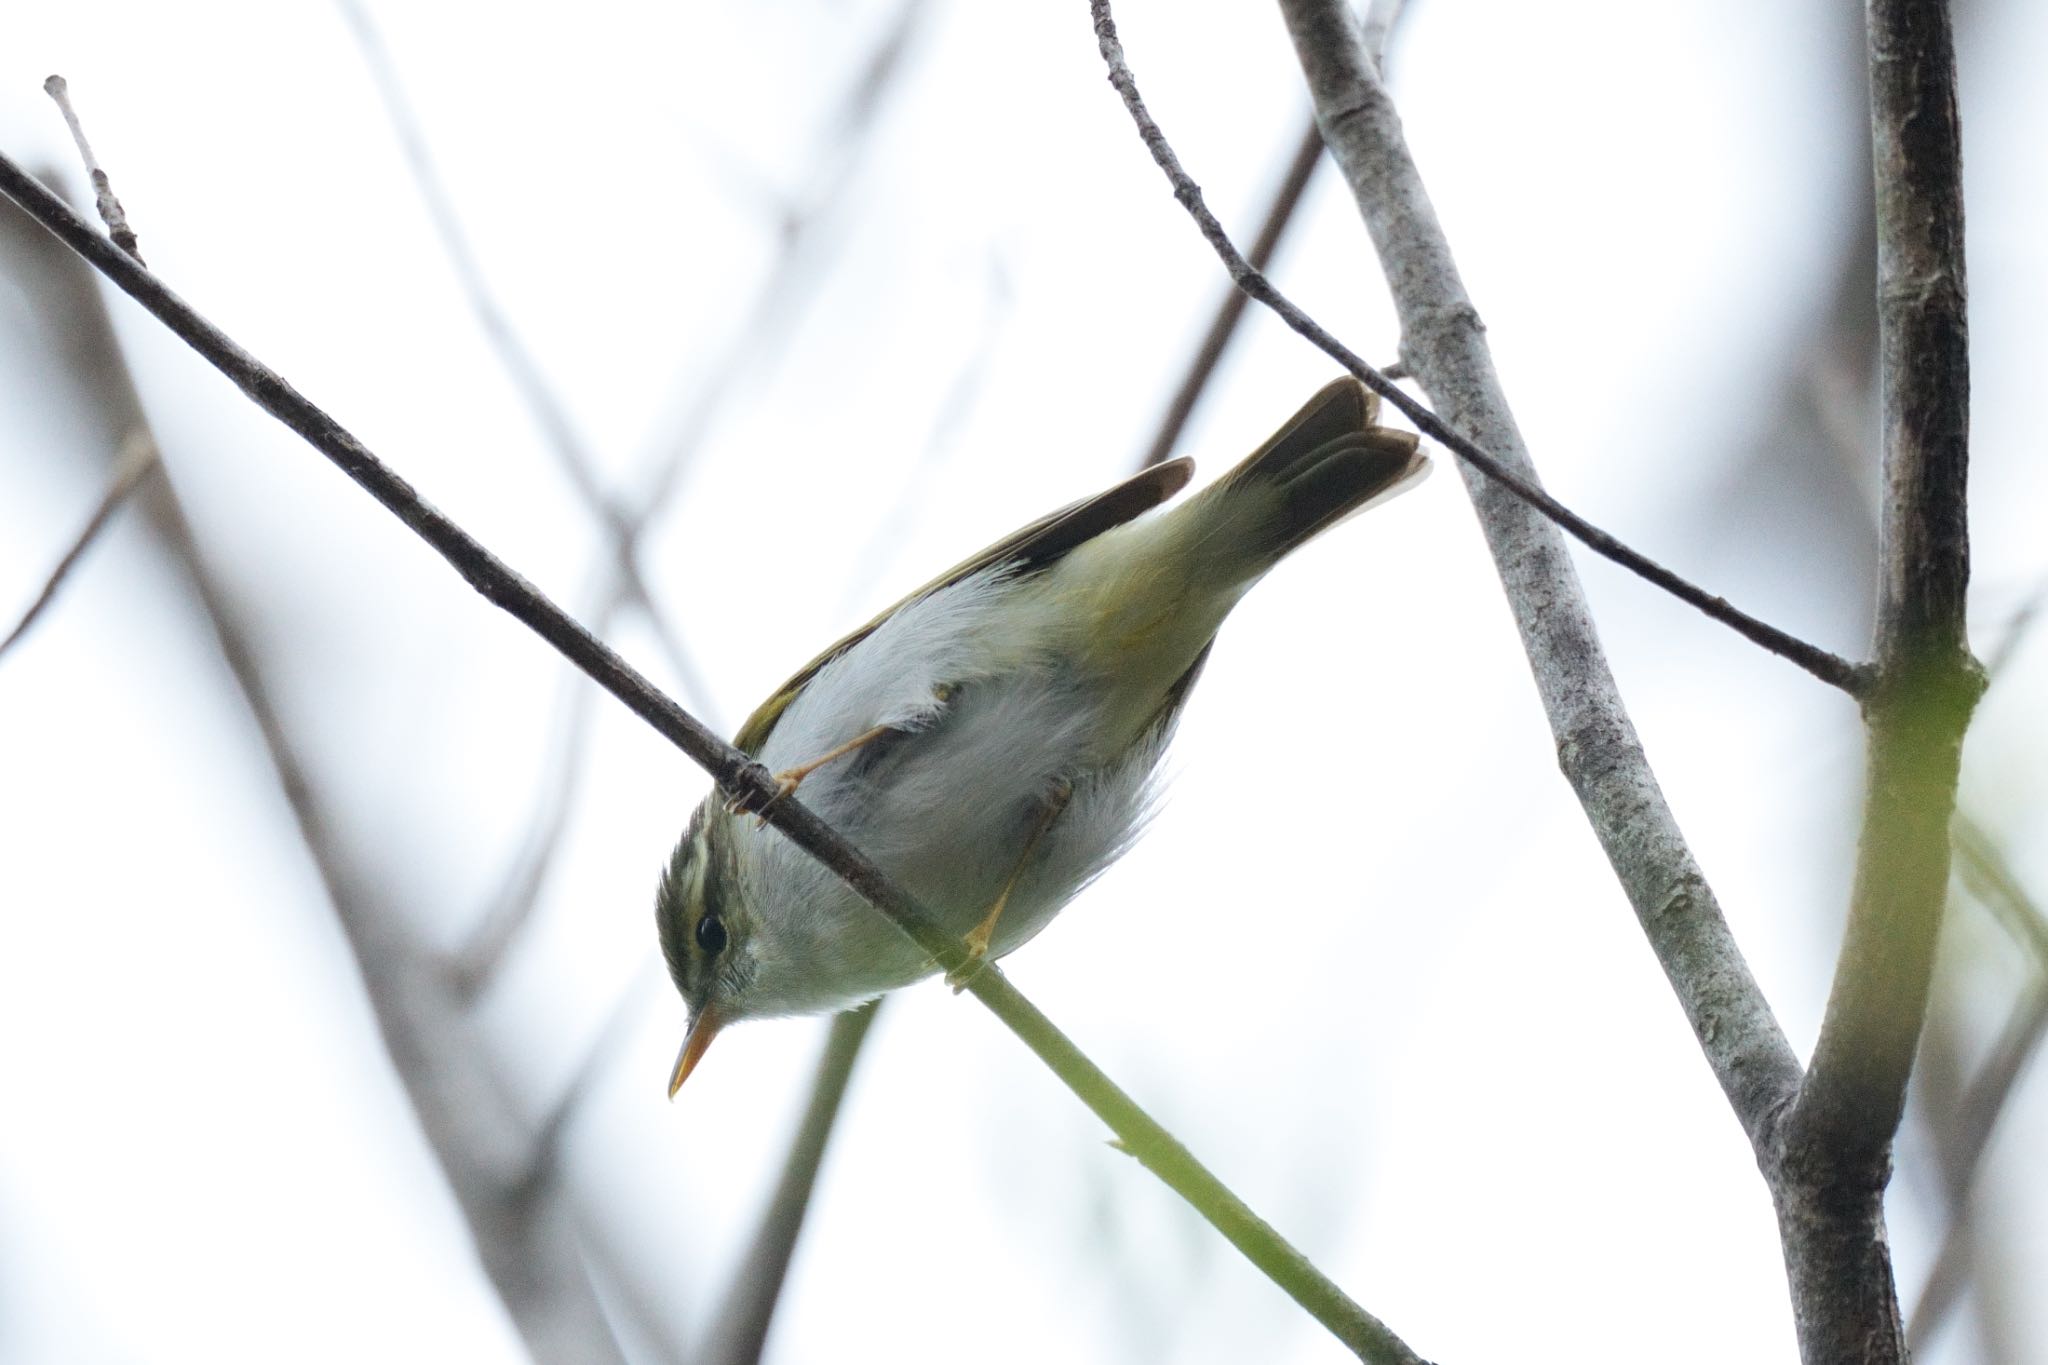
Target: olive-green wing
1027 550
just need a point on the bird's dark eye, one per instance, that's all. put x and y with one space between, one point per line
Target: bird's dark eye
711 935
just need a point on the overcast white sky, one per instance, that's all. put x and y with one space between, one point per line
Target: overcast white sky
1369 963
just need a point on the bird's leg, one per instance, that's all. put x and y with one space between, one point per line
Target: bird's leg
979 937
789 779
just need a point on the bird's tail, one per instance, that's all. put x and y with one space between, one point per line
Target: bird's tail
1150 594
1330 461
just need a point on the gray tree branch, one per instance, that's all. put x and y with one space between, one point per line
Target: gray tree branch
1827 1162
1444 346
1837 1154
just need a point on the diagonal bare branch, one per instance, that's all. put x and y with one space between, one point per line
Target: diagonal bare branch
1381 19
511 908
1517 480
748 784
1287 196
513 905
529 380
622 524
138 458
516 1229
138 451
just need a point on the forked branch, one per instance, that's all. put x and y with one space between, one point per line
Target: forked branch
1519 480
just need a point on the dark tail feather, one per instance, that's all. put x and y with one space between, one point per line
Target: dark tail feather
1329 461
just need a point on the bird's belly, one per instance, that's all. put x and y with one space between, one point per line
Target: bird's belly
1009 788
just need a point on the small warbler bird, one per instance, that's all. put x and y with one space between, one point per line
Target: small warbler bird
990 741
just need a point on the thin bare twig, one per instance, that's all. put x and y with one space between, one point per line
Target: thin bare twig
138 451
109 208
138 457
1308 154
1382 17
549 413
746 782
1828 667
529 381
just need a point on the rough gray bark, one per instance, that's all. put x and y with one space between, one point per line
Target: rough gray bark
1822 1141
1444 347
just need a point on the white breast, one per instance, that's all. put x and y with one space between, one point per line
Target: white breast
996 718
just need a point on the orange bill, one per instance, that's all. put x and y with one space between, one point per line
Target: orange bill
696 1043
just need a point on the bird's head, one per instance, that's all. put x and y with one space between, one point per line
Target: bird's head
707 931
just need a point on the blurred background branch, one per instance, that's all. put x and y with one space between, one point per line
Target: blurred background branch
740 1330
136 459
517 1227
